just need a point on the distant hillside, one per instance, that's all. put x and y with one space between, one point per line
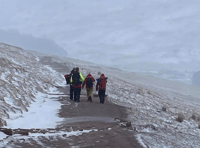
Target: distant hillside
29 42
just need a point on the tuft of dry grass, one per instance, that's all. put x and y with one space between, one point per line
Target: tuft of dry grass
148 92
164 108
194 117
139 91
199 125
2 123
198 118
180 117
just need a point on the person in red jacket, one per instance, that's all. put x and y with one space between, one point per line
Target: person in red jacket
101 86
89 86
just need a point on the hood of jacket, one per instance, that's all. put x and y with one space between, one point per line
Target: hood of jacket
102 76
89 76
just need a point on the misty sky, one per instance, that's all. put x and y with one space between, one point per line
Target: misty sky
124 33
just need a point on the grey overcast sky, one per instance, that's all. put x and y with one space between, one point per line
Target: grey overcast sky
124 33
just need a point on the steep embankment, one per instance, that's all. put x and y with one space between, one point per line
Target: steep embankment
21 78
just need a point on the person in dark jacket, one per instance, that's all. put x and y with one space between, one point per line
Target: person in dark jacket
89 86
101 88
76 80
71 85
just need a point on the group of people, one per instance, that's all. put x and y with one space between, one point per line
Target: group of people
76 81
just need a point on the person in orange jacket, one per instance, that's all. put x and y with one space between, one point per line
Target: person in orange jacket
89 86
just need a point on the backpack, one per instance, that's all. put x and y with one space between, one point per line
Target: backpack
68 78
89 82
76 78
102 85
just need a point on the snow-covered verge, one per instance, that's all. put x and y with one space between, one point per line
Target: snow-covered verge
21 79
144 97
156 127
37 137
33 118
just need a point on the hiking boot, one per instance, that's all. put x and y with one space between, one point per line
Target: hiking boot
89 99
101 100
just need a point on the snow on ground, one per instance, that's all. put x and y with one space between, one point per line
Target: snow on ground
141 141
37 59
156 127
38 136
22 81
2 135
144 97
33 118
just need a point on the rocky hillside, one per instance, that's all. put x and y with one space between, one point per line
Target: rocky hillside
21 78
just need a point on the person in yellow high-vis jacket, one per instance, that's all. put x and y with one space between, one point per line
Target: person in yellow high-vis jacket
76 80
